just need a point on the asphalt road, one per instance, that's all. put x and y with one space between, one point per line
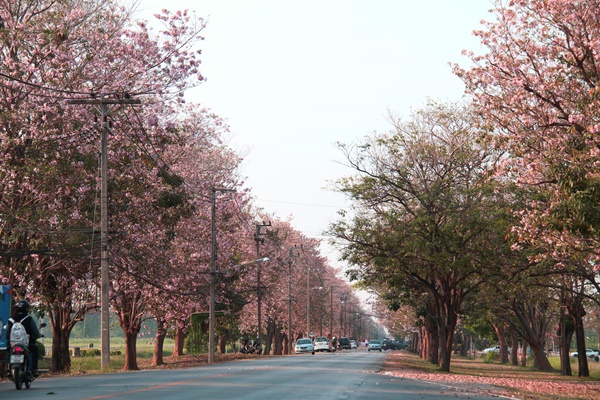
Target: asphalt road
341 375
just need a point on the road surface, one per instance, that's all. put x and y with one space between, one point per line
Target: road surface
349 374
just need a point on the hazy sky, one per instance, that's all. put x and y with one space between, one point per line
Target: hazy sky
294 77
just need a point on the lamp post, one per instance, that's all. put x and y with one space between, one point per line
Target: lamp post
308 301
343 315
259 240
308 288
211 327
331 309
213 272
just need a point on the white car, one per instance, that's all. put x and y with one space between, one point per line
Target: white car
374 345
353 344
588 353
494 349
305 345
322 344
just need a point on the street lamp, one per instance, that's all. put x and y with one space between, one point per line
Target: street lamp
211 326
213 270
343 315
259 240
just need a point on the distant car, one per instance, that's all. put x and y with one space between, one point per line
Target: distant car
588 353
374 345
390 344
344 343
353 344
494 349
305 345
322 344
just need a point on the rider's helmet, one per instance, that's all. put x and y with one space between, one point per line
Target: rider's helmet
22 307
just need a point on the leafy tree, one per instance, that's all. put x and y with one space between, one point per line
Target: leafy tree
425 211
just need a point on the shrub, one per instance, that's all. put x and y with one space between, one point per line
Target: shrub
490 357
41 349
90 353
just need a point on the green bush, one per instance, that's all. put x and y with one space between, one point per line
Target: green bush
490 357
90 353
41 349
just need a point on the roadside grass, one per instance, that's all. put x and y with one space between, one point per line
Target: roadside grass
477 367
523 382
89 363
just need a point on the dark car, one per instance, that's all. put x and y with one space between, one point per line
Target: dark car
344 343
390 344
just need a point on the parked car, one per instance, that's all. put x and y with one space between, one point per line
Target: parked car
495 349
588 353
305 345
322 344
374 345
401 344
353 344
389 344
344 343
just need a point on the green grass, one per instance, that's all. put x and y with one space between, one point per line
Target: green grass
89 364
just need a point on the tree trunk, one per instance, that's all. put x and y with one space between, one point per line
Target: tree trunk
514 342
447 320
524 354
161 333
565 332
131 350
62 321
577 312
222 344
277 343
61 358
424 344
534 321
179 342
129 310
500 330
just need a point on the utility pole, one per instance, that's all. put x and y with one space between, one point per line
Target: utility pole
331 310
308 301
104 270
259 240
213 271
290 336
343 315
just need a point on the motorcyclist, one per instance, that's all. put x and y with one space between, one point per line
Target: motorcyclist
22 311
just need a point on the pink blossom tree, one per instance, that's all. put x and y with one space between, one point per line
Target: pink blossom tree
537 85
53 51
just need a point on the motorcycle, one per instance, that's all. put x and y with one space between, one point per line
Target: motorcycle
20 366
251 348
20 371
